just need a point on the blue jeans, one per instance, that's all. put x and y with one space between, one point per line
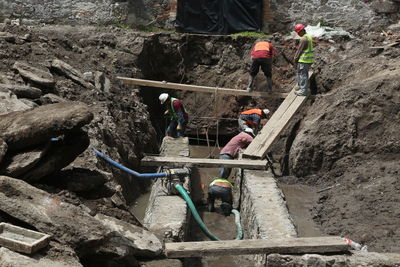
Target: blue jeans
224 172
171 129
302 77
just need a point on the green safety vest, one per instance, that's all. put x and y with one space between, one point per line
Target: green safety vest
220 180
172 112
308 55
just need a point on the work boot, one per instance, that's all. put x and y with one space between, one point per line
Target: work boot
251 84
302 93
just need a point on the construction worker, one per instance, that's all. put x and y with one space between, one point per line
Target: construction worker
261 56
220 189
303 60
251 118
231 149
177 114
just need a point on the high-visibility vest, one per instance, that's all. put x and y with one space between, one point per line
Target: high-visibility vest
261 46
172 112
252 111
308 55
220 180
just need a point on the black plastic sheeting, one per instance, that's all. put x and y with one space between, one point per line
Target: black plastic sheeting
219 16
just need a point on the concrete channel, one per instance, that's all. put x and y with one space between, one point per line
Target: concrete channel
256 195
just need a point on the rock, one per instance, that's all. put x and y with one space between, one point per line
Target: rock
71 73
79 179
10 258
7 37
3 149
52 99
384 7
164 263
143 242
28 102
9 103
73 226
41 77
60 155
22 91
101 82
18 164
31 127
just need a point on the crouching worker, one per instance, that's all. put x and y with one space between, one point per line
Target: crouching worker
220 189
177 114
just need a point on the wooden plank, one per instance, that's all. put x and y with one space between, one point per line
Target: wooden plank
204 163
262 142
196 88
328 244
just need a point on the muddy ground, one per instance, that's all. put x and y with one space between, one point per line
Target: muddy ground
346 137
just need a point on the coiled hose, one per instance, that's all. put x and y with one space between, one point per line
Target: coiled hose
196 216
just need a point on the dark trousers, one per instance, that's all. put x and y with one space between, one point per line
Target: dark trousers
264 63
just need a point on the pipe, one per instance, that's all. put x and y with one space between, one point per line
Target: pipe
127 170
195 214
203 227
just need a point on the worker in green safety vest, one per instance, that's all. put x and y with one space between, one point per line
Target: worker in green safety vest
303 60
220 189
177 114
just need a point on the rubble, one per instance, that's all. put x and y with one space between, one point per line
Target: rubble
70 72
40 76
22 91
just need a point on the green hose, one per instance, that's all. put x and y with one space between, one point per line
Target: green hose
200 222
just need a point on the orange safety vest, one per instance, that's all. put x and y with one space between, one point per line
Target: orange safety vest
252 111
261 46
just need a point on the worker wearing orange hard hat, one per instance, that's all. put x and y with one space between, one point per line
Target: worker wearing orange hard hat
303 60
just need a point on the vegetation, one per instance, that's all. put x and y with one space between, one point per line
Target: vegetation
251 34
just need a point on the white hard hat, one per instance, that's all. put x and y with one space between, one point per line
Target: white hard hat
249 131
266 111
163 97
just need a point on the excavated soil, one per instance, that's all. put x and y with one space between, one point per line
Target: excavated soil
347 137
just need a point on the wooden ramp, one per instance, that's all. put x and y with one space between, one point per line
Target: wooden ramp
328 244
262 142
204 163
196 88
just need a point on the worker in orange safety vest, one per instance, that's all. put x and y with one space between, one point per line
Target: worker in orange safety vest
251 118
261 56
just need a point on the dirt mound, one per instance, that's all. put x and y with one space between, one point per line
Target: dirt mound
350 139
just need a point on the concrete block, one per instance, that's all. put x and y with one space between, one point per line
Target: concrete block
21 239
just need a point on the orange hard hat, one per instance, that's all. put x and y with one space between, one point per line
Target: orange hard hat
299 27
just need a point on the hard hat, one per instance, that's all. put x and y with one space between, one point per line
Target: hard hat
299 27
249 131
163 97
266 111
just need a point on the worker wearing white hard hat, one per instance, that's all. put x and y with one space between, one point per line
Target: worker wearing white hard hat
176 113
251 118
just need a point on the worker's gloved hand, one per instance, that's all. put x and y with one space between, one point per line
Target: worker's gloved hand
179 127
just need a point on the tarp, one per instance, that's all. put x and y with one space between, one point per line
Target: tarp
219 16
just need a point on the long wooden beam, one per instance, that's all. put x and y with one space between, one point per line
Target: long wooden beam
204 163
328 244
279 120
196 88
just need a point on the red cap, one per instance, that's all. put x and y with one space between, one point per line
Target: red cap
299 27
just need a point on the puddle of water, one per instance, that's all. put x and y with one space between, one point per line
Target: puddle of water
139 209
300 199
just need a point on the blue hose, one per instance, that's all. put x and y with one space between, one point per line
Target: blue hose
125 169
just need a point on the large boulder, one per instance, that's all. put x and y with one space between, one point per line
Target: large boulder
60 155
19 163
31 127
72 225
21 91
10 258
40 76
137 240
9 103
71 73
